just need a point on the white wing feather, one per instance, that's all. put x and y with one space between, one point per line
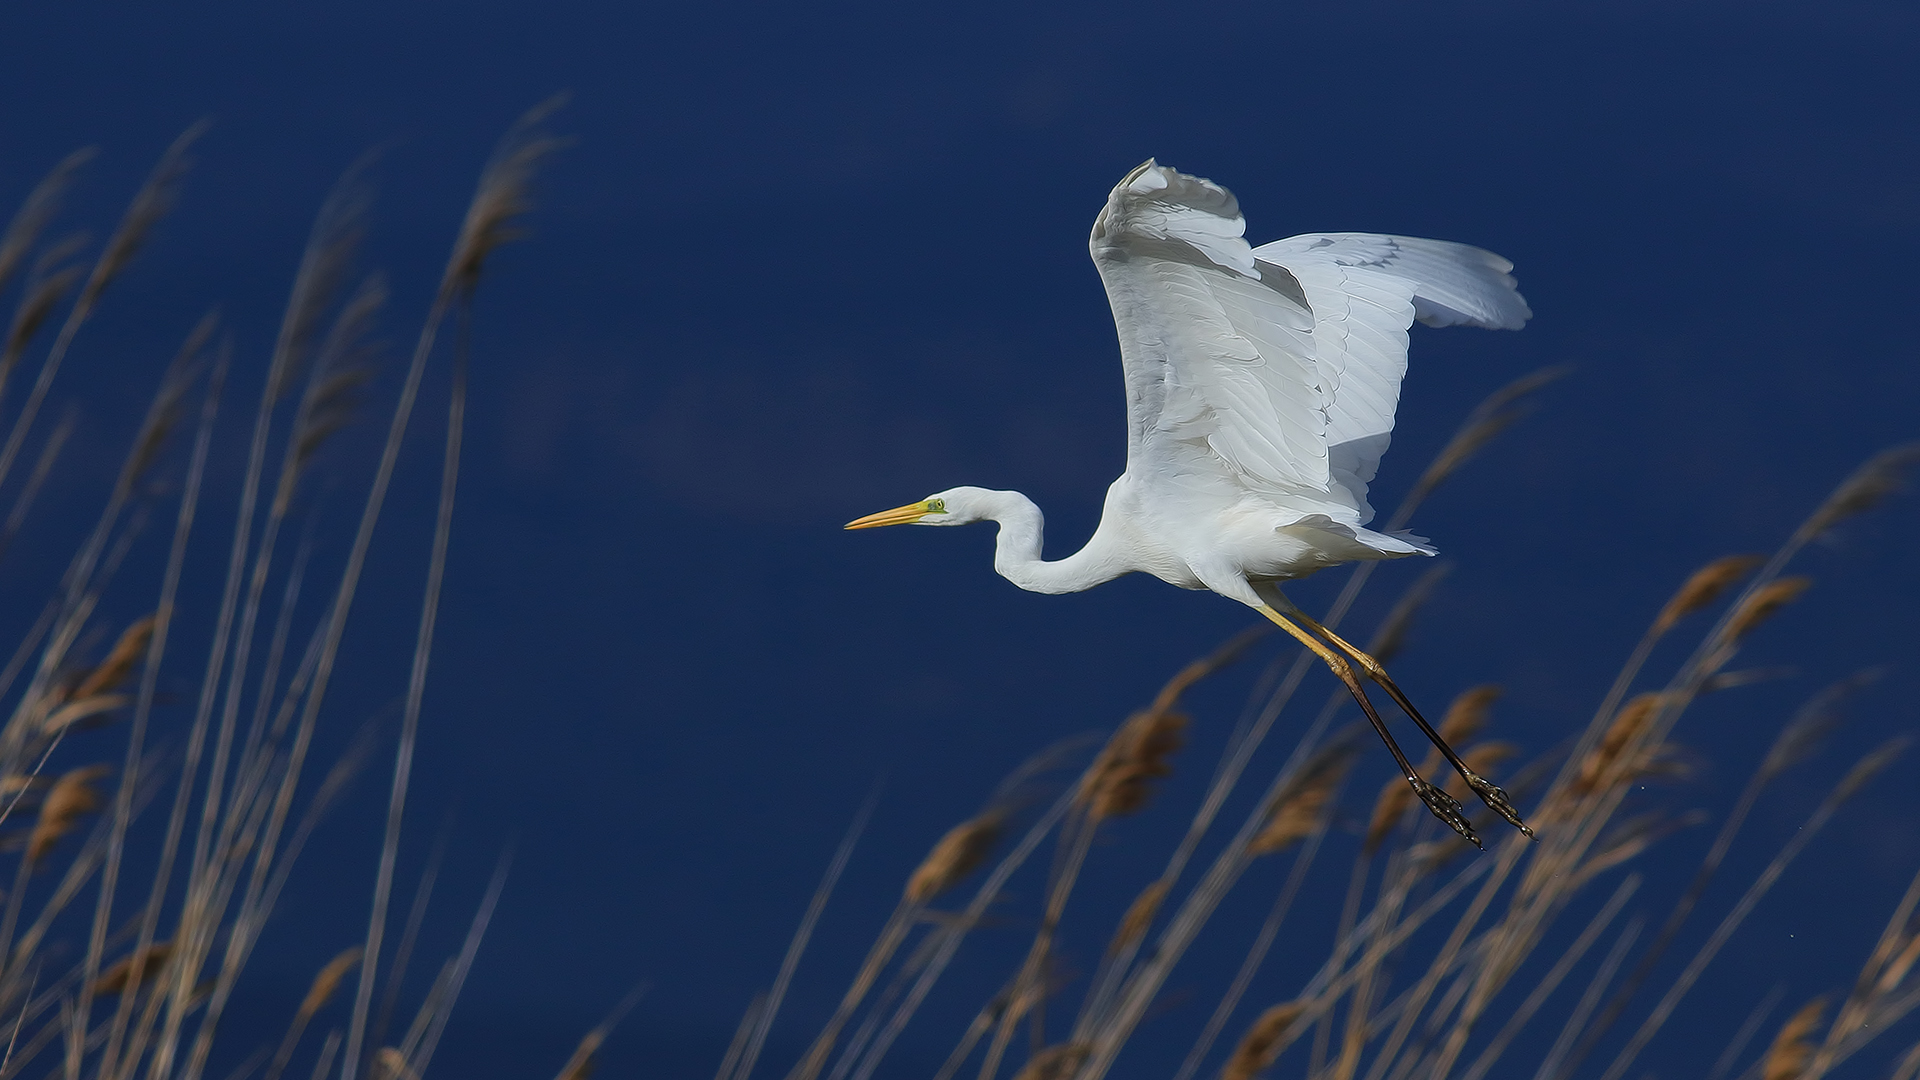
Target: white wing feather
1366 290
1217 353
1279 367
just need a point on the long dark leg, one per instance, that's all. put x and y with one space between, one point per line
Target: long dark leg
1489 793
1443 805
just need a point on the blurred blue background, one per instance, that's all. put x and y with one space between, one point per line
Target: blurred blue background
805 262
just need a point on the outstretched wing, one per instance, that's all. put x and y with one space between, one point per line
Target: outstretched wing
1221 379
1275 369
1365 291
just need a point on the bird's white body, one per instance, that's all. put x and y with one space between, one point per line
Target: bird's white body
1261 388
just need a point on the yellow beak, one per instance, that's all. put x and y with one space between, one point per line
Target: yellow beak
899 515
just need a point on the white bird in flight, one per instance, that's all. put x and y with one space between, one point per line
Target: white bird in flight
1261 388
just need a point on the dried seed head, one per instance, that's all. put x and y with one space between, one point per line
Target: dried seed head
1480 761
390 1064
957 854
1467 716
53 277
1792 1050
1298 810
1139 916
1812 721
1388 809
1120 779
1057 1062
1882 475
120 975
503 196
1896 971
120 662
1488 419
71 798
1392 635
38 209
1635 835
1761 606
85 709
149 205
1628 723
585 1057
1703 588
328 981
1869 767
1263 1041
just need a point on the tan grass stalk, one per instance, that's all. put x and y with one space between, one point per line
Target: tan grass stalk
410 935
1548 983
742 1034
989 890
149 205
335 235
1256 954
1749 1027
1810 722
1030 985
750 1053
499 201
1117 1018
1554 1064
1863 771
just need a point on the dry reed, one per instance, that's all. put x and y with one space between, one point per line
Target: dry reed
1264 1040
1764 604
1414 1000
1121 780
957 854
1792 1050
236 822
1704 588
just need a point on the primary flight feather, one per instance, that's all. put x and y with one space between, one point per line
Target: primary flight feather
1261 387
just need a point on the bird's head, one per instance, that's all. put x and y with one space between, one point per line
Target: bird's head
954 506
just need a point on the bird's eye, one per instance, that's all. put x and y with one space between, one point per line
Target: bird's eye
936 506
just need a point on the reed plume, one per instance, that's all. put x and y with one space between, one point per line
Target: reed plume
1705 586
1264 1040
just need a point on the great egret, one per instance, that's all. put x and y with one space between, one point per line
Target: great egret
1261 387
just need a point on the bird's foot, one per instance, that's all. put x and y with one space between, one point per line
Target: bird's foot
1497 801
1446 808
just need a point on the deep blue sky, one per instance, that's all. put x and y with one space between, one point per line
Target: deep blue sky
809 261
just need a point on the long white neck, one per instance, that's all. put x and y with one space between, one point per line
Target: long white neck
1016 554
